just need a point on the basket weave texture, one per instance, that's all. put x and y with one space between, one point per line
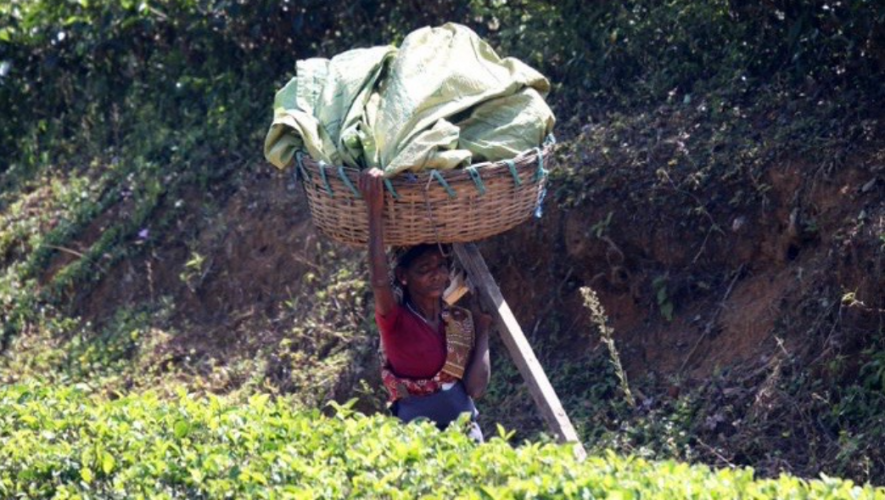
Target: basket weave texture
428 207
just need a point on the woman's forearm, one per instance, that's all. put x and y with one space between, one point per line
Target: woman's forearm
378 270
478 373
372 189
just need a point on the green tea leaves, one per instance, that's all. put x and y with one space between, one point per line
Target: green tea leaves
141 446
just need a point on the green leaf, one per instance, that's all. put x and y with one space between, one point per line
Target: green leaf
181 429
196 475
107 463
503 433
86 474
662 295
486 493
667 311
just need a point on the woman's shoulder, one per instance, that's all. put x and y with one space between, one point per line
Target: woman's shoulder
387 321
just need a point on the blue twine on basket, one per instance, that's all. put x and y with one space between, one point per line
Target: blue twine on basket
347 182
477 179
539 208
300 170
442 182
513 172
550 140
392 191
541 171
323 165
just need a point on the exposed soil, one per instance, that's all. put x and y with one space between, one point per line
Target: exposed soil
729 289
257 243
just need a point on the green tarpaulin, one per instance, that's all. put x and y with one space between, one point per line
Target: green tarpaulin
443 99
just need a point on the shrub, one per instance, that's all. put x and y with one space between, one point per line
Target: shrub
63 443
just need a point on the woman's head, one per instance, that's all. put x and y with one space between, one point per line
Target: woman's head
423 270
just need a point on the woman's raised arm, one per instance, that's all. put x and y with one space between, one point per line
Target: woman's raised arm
371 185
479 370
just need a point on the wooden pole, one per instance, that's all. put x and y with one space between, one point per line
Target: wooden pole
518 346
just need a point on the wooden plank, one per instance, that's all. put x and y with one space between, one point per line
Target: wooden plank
518 346
457 289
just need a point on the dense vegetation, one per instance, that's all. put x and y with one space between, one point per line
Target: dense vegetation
127 126
60 443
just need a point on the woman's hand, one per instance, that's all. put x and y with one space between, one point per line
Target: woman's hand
371 186
481 320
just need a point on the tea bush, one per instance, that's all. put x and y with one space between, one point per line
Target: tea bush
61 442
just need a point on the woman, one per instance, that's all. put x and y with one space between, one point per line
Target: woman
435 358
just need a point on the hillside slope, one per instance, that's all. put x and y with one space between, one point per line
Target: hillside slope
720 184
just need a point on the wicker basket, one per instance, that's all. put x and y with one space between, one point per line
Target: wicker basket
454 206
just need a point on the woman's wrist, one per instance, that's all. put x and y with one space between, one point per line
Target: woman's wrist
375 210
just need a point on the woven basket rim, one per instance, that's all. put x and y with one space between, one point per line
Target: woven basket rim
408 176
430 205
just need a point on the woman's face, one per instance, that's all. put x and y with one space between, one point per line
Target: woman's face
427 275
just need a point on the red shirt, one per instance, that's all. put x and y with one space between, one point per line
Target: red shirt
412 348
